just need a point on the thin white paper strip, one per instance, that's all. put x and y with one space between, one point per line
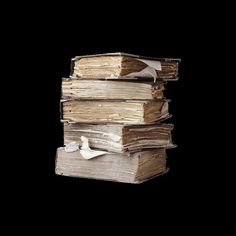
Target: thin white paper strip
154 64
146 72
149 71
86 152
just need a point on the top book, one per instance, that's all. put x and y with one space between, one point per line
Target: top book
123 66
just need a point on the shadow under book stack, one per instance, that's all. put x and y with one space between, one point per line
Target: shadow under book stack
112 109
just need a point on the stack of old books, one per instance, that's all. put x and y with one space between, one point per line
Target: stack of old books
112 109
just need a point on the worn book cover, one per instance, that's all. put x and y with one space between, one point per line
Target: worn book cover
123 66
87 89
120 138
125 167
111 111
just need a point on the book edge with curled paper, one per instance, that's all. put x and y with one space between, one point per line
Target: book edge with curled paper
85 151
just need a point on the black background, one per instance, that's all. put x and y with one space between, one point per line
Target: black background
44 50
40 39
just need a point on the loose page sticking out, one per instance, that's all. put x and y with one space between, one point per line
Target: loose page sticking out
154 64
149 71
86 152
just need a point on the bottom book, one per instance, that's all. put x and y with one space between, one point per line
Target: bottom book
126 167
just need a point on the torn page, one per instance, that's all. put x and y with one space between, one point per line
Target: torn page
149 71
86 152
154 64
